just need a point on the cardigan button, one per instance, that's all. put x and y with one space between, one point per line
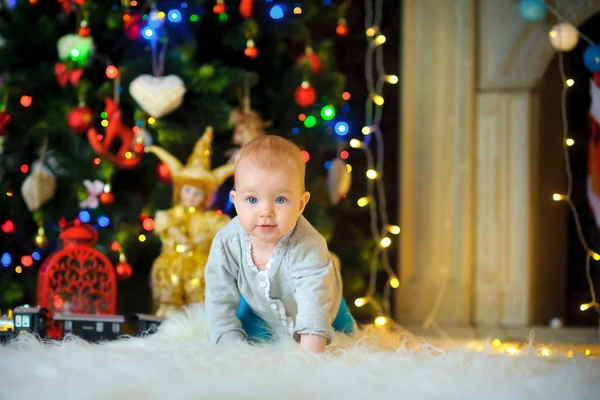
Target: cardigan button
263 284
274 306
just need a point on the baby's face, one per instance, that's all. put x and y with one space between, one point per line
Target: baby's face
190 196
268 201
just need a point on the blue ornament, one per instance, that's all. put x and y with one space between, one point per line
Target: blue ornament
591 58
532 10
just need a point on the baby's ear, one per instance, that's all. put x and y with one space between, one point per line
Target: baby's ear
232 195
303 201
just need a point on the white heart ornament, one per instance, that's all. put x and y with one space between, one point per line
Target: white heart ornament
157 96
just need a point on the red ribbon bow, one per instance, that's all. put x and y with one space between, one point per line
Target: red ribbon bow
64 76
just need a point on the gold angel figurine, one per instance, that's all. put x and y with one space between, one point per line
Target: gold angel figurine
188 228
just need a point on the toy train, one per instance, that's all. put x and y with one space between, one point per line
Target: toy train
90 327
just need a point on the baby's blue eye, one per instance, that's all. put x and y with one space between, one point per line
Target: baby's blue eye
280 200
252 200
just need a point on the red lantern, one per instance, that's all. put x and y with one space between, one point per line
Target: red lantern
80 119
77 276
311 59
305 95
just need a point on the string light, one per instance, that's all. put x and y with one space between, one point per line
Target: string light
371 174
569 142
355 143
590 254
363 201
394 229
361 301
375 198
379 40
393 79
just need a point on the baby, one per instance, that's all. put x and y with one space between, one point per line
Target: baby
269 272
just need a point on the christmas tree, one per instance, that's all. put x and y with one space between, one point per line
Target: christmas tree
74 73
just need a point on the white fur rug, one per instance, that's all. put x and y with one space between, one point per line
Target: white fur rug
178 363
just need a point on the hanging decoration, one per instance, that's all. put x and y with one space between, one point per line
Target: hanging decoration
123 268
342 27
107 197
41 240
338 180
591 57
75 48
219 7
80 119
156 94
116 130
564 36
84 29
310 59
248 123
250 51
40 185
64 76
94 190
305 95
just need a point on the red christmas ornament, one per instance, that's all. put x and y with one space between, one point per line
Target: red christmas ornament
305 95
124 270
164 175
84 31
250 51
107 198
219 7
342 28
4 120
138 148
80 119
77 275
8 226
311 59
